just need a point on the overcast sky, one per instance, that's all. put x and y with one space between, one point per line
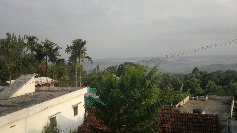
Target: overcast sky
126 28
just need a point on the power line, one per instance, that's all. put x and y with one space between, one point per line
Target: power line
182 53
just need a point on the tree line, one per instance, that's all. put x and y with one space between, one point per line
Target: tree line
27 55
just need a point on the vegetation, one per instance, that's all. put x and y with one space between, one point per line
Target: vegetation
52 127
27 55
214 83
137 97
78 55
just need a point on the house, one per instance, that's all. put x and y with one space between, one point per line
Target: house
25 108
44 82
204 106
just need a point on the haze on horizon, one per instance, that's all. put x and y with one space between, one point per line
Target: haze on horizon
120 29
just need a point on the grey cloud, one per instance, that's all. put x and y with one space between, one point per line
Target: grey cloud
124 28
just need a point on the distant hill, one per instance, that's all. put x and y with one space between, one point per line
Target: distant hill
177 65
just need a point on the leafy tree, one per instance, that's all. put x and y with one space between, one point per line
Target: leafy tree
166 81
193 86
111 69
31 43
211 87
78 55
130 103
195 70
94 74
233 88
59 72
50 51
52 127
121 68
11 50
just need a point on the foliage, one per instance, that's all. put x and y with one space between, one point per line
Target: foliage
78 55
94 74
59 72
171 89
52 127
214 83
137 99
11 51
121 68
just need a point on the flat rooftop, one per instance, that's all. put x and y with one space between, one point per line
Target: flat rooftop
211 106
11 105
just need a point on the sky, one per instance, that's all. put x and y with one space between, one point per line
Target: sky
123 29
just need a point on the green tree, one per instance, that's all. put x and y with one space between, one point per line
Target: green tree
193 86
59 72
11 51
50 51
211 87
122 67
111 69
195 70
78 55
129 103
94 74
233 88
52 127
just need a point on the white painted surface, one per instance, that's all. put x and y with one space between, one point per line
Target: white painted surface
28 87
34 118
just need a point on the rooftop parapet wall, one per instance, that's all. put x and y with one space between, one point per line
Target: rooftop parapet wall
56 88
25 84
184 101
215 97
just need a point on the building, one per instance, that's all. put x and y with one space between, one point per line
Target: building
25 108
44 82
204 106
39 82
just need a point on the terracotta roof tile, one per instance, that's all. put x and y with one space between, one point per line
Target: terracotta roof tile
171 121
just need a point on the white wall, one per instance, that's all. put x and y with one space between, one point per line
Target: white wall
232 107
28 87
33 119
185 100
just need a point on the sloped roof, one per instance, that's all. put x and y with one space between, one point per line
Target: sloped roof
172 121
91 120
15 86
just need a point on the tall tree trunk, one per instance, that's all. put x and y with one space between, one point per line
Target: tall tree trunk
80 70
76 76
80 77
46 71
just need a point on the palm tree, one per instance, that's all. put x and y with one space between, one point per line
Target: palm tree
78 55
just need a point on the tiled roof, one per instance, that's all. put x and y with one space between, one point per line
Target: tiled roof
171 121
91 120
